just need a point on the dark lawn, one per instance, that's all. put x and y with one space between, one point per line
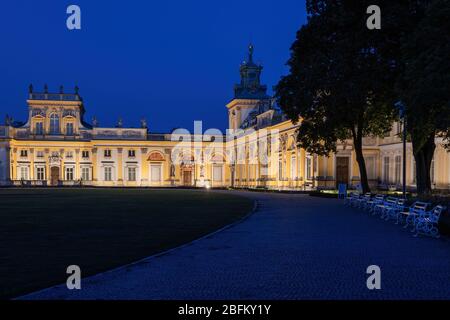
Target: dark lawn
42 231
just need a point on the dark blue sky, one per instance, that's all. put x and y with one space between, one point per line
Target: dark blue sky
171 61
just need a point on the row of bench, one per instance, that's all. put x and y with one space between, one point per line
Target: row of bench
419 216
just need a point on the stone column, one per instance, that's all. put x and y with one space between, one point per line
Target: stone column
32 173
77 172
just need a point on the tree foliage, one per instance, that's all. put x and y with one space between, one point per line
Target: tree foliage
341 76
424 83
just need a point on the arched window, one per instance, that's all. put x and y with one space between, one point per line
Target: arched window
54 124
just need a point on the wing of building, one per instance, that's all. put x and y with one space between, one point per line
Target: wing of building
57 147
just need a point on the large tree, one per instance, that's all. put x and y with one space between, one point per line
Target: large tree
341 76
424 83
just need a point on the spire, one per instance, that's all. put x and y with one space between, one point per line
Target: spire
250 53
250 86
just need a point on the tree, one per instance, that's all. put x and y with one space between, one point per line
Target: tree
341 76
424 84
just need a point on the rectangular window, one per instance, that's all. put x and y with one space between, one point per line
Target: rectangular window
398 169
108 174
24 153
69 129
69 173
370 168
39 128
85 174
308 168
69 154
40 173
131 153
132 174
293 168
40 154
54 124
24 173
85 154
280 169
386 169
432 175
107 153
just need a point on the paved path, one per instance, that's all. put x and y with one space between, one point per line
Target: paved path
293 247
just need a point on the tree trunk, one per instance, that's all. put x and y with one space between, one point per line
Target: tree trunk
424 157
357 142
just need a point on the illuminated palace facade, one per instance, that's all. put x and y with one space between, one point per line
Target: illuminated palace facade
56 147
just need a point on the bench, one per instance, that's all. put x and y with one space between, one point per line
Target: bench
417 209
378 199
361 202
387 203
427 223
351 198
395 211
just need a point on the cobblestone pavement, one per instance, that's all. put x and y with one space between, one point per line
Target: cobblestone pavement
293 247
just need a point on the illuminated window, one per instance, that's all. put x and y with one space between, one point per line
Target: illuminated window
280 169
85 174
432 175
293 168
54 124
69 173
386 169
69 129
108 174
40 173
24 173
308 168
398 167
132 174
39 128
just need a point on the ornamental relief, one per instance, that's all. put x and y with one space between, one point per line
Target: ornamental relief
155 156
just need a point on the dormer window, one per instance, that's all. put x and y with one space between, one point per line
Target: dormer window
107 153
39 128
54 124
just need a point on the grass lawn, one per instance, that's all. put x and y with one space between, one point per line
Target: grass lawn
42 231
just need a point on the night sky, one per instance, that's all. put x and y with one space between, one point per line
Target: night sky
172 62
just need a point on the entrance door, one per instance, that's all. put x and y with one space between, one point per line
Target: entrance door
342 166
155 173
187 178
54 176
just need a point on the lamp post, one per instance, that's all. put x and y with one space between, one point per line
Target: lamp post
401 108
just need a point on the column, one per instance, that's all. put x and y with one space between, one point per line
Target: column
95 170
119 167
32 173
77 172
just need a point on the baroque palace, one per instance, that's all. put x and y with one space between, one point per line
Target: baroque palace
57 147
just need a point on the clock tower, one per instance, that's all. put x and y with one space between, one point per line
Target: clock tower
248 93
